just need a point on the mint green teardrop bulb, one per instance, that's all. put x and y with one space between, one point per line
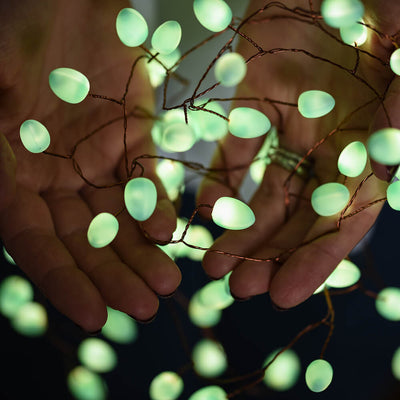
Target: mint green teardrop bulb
230 213
329 198
131 27
166 37
167 385
156 71
209 358
384 146
354 33
102 230
393 195
30 320
120 327
178 137
34 136
140 198
15 292
230 69
395 61
319 375
396 364
209 393
86 385
214 15
97 355
315 103
201 315
69 85
344 275
338 13
388 303
353 159
245 122
215 296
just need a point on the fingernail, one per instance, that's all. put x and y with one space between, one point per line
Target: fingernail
239 298
167 296
145 321
277 308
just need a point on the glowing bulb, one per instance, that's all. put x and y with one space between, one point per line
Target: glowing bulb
215 295
166 37
247 123
172 175
395 61
384 146
388 303
319 375
284 372
230 69
214 15
338 13
131 27
156 71
30 319
315 103
354 33
86 385
396 364
69 85
329 198
102 230
393 195
119 328
209 358
178 137
200 236
345 274
166 386
203 316
8 257
230 213
353 159
140 197
34 136
15 292
97 355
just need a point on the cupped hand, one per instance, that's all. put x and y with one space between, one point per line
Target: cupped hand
302 248
44 226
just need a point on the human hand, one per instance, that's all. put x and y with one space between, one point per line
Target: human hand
302 247
44 226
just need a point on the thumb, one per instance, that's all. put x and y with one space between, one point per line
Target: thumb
7 173
384 119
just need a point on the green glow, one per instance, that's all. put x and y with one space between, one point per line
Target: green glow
330 198
172 175
131 27
396 364
86 385
393 195
353 159
320 288
209 393
354 33
319 375
388 303
247 123
15 292
230 213
8 257
257 170
166 37
284 372
230 69
97 355
140 197
34 136
214 15
208 126
166 386
200 236
69 85
102 230
202 316
384 146
157 71
30 320
214 295
395 61
315 103
344 275
209 358
178 137
177 249
338 13
119 328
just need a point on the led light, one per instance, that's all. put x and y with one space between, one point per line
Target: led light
388 303
15 292
393 195
214 15
30 320
34 136
384 146
319 375
167 37
230 69
329 198
353 159
199 236
131 27
86 385
156 71
395 61
338 13
166 386
344 275
102 230
8 257
214 295
172 175
201 315
97 355
119 328
354 33
230 213
140 197
315 103
209 358
69 85
396 364
247 123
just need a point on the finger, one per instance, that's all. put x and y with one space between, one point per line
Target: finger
158 271
120 287
28 233
7 172
312 263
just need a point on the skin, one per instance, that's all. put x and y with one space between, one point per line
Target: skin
45 206
284 77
